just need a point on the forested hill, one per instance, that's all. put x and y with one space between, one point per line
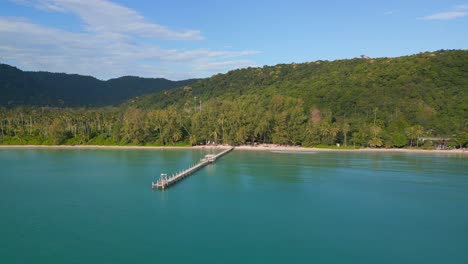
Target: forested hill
69 90
384 102
429 88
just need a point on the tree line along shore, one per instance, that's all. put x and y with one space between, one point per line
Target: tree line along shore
219 122
281 149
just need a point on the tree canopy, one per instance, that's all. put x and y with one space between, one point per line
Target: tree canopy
19 88
384 102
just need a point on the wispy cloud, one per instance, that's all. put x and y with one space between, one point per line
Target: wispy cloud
446 15
390 12
457 12
461 7
103 16
109 44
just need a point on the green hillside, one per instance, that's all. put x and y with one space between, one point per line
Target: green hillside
428 88
71 90
384 102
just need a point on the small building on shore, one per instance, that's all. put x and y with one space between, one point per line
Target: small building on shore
439 143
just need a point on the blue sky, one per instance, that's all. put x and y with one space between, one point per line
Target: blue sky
185 39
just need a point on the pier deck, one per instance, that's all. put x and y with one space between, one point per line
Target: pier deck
165 181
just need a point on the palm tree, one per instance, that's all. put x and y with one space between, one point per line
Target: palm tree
413 133
334 129
418 131
375 142
410 134
345 130
324 128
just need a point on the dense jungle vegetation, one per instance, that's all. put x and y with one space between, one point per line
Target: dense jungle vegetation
384 102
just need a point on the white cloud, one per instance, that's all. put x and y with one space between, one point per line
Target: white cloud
446 15
392 12
461 7
457 12
109 46
102 16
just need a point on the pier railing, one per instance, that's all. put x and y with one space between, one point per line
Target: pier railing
165 181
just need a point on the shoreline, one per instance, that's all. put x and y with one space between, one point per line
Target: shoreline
373 150
265 147
87 147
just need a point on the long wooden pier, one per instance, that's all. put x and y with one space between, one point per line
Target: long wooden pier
165 181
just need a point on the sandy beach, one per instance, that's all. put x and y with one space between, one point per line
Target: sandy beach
262 147
272 147
87 147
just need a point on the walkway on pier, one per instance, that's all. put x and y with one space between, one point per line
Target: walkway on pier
165 181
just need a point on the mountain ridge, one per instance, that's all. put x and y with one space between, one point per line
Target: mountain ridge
42 88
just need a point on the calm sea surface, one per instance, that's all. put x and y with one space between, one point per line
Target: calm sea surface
97 206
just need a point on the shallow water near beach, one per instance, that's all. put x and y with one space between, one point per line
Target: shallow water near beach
97 206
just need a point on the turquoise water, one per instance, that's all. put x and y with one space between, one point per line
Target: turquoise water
96 206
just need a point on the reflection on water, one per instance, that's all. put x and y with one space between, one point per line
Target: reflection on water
292 152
